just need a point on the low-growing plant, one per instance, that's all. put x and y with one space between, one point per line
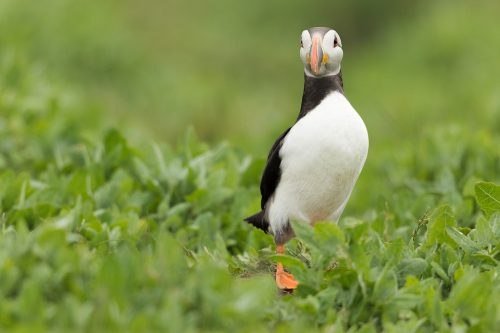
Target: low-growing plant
101 234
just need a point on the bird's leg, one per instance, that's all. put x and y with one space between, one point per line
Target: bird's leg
284 280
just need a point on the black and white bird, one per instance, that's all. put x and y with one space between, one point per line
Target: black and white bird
312 167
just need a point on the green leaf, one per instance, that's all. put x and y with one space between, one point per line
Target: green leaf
305 233
467 244
441 218
439 271
484 232
328 232
413 266
287 261
435 308
385 285
474 296
328 236
495 224
488 197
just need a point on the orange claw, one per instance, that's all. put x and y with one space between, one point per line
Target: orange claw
284 280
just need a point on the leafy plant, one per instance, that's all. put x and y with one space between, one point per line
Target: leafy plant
104 234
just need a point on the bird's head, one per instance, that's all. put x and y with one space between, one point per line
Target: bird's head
321 51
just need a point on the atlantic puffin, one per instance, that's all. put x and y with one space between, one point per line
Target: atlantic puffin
312 167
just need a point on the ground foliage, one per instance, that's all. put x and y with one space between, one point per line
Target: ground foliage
99 234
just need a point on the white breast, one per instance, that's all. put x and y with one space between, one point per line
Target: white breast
321 159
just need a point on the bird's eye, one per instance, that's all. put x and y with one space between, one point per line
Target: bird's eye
335 42
301 43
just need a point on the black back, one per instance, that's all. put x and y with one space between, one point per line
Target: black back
272 172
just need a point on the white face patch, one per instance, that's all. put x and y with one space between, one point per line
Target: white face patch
332 50
305 47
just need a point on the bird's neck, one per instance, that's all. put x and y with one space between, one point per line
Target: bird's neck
316 89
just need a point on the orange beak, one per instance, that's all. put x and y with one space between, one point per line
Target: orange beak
316 54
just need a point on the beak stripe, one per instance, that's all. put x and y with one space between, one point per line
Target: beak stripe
316 54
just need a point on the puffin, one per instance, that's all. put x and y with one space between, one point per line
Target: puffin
312 166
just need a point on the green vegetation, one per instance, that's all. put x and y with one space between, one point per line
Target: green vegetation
113 230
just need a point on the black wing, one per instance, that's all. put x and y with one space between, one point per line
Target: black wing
272 172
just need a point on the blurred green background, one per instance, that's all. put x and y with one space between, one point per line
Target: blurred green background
231 69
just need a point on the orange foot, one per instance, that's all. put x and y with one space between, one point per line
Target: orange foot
285 280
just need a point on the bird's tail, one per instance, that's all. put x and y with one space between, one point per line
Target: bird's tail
259 221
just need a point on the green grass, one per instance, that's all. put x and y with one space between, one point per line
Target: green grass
106 229
103 235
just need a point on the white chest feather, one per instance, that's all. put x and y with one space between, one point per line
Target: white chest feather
321 159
